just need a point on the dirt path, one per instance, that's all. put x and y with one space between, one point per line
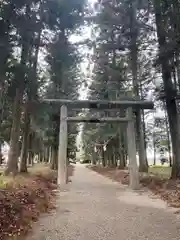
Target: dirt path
95 208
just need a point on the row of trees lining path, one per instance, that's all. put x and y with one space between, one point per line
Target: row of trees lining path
136 47
37 61
133 43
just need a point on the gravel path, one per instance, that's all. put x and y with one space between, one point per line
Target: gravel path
95 208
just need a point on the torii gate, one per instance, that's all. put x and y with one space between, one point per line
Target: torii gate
129 105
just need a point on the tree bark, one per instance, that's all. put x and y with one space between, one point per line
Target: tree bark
47 154
122 150
12 163
30 93
54 159
93 158
30 158
143 166
168 139
122 160
175 136
30 150
25 144
1 156
103 158
50 154
171 106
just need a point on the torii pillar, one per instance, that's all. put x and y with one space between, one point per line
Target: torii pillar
62 152
131 146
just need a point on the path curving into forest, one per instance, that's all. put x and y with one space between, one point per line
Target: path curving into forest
95 208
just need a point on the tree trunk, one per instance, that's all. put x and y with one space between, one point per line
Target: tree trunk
1 156
54 160
30 158
47 154
154 149
122 150
114 157
93 158
25 144
143 166
145 137
168 139
30 93
174 19
171 106
30 150
111 157
108 158
175 136
12 163
122 160
41 157
103 157
50 154
178 69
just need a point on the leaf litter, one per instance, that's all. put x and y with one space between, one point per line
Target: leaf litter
167 189
23 200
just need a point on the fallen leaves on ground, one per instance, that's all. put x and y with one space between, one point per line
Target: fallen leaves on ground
22 201
166 189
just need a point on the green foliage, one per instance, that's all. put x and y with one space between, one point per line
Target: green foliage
63 61
34 34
